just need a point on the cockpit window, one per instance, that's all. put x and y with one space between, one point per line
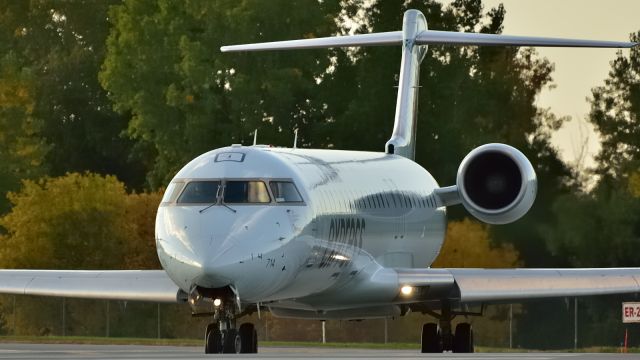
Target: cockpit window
241 192
285 191
172 191
200 192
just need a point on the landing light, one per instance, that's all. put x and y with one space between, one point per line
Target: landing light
340 257
406 290
217 302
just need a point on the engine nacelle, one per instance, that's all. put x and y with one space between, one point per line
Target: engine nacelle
496 183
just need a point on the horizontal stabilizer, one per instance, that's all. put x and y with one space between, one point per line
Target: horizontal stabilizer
382 38
432 37
427 37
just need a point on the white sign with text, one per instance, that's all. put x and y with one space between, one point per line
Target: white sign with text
631 312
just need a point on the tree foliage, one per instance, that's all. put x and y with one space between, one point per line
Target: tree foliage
164 67
22 151
141 246
71 222
468 244
57 47
79 221
600 229
615 113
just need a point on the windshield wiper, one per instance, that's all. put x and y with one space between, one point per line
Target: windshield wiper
208 206
229 207
223 204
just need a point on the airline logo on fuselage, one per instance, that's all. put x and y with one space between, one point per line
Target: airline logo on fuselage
344 241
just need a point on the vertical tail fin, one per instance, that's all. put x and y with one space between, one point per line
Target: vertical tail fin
403 138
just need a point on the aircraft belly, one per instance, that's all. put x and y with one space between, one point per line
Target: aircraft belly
373 286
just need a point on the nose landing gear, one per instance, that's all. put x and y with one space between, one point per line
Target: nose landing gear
231 341
222 336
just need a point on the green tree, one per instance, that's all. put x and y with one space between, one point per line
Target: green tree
141 246
634 184
615 113
468 245
21 149
72 222
164 67
80 221
598 229
61 46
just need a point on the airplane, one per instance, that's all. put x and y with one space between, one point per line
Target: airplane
331 234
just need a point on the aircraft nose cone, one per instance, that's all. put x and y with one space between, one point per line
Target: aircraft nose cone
214 273
195 250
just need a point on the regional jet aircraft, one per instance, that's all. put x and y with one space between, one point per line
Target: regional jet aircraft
330 234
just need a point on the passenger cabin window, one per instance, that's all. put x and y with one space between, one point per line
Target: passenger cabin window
200 192
285 192
246 192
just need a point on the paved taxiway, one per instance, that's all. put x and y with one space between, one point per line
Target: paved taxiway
66 351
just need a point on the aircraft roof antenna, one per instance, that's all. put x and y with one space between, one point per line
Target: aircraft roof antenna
414 38
295 138
255 137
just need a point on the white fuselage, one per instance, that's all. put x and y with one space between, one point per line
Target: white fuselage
361 213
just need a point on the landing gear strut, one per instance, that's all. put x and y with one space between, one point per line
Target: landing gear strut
437 338
222 336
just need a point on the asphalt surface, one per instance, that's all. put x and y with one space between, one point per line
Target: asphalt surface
68 351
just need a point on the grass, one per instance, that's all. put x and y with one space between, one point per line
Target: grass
99 340
198 342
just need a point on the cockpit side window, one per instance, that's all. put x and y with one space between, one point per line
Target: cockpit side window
200 192
172 191
285 192
243 192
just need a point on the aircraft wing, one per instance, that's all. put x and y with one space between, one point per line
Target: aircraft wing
503 285
134 285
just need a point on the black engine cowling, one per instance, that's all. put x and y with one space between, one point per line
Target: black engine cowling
496 183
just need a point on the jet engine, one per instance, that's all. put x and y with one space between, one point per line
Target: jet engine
496 183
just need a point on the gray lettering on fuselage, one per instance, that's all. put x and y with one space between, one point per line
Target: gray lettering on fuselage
344 241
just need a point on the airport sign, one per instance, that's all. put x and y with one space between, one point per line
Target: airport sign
631 312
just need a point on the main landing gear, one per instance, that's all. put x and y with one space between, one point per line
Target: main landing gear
437 338
230 340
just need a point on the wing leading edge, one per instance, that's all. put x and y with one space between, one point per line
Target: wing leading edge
133 285
503 285
426 37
